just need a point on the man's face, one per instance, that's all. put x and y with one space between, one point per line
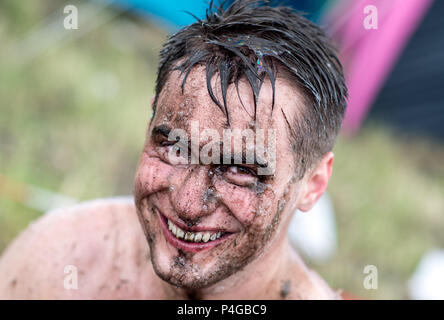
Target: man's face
241 213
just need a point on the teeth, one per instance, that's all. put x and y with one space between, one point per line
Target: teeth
193 236
189 236
198 237
206 237
180 233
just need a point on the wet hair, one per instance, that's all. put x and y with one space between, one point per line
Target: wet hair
252 40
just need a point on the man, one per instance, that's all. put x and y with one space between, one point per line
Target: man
211 229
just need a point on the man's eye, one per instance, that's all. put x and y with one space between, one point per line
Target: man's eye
172 153
240 176
167 143
240 170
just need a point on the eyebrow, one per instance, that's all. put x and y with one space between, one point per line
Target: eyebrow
261 164
162 129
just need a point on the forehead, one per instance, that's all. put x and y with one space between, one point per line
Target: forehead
177 109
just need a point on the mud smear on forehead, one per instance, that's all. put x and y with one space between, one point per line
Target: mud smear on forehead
179 108
173 108
178 113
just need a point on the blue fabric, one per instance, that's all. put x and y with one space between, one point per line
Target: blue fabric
171 13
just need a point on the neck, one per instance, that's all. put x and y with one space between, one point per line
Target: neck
269 276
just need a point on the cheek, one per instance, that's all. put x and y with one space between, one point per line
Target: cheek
242 202
152 176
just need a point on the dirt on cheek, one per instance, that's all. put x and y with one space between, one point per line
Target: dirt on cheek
270 230
150 236
260 188
151 177
145 212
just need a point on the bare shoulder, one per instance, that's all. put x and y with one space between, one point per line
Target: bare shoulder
320 289
92 250
308 284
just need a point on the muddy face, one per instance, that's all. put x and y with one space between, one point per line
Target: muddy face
249 212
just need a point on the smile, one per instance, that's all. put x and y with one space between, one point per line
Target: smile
192 236
191 240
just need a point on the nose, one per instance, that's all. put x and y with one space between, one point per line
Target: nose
192 197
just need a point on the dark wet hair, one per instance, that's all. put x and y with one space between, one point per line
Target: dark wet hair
252 40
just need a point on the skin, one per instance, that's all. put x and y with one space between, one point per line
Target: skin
105 241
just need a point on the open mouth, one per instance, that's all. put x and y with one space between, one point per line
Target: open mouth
195 237
188 240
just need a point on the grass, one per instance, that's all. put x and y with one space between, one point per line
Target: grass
387 190
73 120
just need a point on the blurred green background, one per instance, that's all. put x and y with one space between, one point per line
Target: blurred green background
73 115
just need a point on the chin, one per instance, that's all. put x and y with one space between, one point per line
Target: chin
199 270
180 270
191 265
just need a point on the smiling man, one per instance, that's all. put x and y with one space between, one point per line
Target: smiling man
248 104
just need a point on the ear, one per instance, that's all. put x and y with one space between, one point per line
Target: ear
152 100
316 182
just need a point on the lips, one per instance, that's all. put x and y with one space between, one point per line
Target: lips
192 236
187 240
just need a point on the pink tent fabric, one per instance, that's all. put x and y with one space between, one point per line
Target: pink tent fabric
368 55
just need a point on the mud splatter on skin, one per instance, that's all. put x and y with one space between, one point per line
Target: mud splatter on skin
194 271
13 283
193 295
176 117
260 187
285 289
270 230
191 223
210 194
141 207
179 261
182 264
281 205
120 284
151 237
254 242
